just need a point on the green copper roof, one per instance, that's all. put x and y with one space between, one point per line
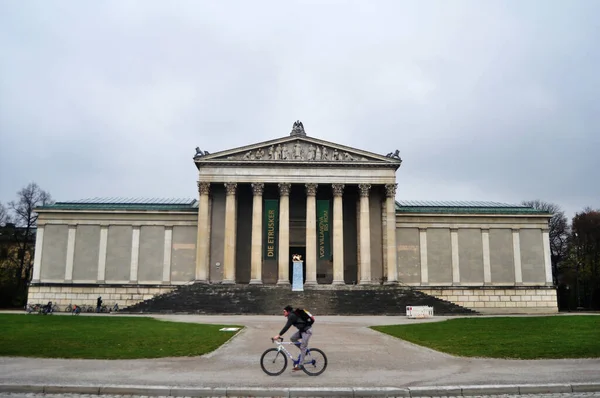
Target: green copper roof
108 204
463 207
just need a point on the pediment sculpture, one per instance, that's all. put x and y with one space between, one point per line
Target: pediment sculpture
298 151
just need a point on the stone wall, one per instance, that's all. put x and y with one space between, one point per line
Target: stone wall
508 300
87 295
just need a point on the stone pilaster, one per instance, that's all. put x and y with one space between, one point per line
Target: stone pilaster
256 248
70 253
284 234
203 237
365 235
135 254
455 257
37 260
230 234
391 247
311 234
338 235
166 278
487 265
547 256
103 245
423 251
517 256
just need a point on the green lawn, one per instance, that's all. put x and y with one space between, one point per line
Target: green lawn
543 337
105 337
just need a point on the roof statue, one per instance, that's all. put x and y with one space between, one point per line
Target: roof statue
394 155
200 153
298 129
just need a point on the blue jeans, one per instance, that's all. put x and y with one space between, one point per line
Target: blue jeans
305 336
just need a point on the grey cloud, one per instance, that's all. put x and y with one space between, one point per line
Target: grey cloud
486 100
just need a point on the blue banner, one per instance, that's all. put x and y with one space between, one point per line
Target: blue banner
298 277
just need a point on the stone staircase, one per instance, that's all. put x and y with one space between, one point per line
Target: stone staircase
270 300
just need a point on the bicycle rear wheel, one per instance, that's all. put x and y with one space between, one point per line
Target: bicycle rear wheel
315 362
273 362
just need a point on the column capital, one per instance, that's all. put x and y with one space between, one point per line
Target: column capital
258 188
203 188
284 188
311 189
231 188
390 190
338 189
364 189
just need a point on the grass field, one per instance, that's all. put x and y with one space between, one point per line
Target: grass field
507 337
105 337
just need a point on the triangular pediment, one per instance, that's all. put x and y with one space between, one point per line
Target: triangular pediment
298 149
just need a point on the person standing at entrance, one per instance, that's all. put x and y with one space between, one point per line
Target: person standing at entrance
304 333
99 304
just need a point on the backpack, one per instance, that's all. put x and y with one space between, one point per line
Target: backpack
306 316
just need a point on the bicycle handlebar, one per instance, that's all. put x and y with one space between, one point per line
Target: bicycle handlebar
273 340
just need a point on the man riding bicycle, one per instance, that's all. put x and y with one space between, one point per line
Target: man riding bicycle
304 333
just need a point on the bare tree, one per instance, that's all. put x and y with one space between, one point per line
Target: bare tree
4 216
25 219
558 230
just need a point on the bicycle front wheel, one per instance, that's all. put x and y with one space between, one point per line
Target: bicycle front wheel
315 362
273 362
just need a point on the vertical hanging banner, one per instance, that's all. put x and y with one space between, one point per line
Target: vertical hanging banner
323 240
271 229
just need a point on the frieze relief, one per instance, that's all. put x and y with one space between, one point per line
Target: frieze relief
298 151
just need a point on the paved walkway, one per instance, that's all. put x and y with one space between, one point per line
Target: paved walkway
358 358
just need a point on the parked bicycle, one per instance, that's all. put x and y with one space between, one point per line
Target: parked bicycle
274 360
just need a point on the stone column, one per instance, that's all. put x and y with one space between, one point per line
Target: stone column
102 253
203 237
365 235
135 254
338 235
70 253
230 234
284 234
37 260
423 250
455 257
517 256
256 248
547 256
311 234
487 267
168 243
391 247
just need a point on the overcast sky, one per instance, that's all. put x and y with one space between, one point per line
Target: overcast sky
486 100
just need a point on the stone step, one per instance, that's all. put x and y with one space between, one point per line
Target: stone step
270 300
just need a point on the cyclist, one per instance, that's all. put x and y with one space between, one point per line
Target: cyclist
304 333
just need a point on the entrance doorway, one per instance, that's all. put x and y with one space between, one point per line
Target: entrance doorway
301 250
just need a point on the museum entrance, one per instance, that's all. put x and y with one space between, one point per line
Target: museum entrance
301 250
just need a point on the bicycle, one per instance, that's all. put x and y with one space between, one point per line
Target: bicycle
274 360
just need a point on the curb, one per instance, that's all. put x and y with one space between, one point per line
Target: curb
430 391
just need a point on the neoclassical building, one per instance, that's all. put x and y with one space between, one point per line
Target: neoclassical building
259 204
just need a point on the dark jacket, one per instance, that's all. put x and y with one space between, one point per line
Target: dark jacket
294 320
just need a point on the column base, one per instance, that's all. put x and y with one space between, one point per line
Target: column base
255 282
365 282
390 283
310 283
283 282
227 282
199 281
338 282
